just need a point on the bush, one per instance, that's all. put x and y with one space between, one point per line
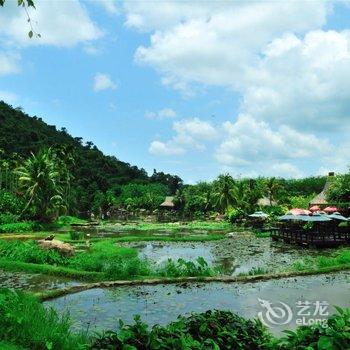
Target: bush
17 227
208 330
8 218
24 321
334 336
10 203
76 236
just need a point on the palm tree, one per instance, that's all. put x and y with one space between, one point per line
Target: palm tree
272 187
223 198
39 178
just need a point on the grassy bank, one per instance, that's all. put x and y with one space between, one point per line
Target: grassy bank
102 261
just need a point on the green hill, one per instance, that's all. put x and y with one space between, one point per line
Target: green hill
93 171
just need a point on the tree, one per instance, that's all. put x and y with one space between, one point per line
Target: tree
339 190
223 197
272 188
39 178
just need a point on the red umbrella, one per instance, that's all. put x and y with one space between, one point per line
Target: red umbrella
298 211
330 209
315 208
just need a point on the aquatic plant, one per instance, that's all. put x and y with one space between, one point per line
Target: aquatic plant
339 258
209 330
183 268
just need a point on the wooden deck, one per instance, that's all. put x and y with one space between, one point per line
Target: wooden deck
320 238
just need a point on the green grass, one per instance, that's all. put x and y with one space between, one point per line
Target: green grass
7 346
337 259
255 271
262 234
25 322
50 270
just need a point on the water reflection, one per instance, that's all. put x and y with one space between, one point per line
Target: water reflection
99 309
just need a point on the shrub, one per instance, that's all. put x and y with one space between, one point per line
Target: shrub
17 227
24 321
208 330
75 236
8 218
10 203
334 336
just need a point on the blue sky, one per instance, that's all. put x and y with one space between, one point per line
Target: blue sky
192 88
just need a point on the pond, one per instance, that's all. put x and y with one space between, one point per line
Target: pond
99 309
33 282
233 255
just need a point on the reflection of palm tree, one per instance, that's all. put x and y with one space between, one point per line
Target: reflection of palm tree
39 178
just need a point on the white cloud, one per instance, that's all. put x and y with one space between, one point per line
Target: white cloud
249 142
60 23
9 63
8 96
165 149
216 42
191 133
109 5
165 113
103 82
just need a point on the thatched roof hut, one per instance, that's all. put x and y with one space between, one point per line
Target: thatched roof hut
321 198
168 203
265 202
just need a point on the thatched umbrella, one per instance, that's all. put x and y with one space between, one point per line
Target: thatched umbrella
315 208
259 215
298 211
337 216
330 209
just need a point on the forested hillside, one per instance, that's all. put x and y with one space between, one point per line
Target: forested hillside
93 172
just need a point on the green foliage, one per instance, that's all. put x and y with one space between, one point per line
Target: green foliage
66 220
76 236
183 268
334 336
29 252
339 190
17 227
10 203
209 330
8 218
145 196
39 177
339 258
25 322
300 201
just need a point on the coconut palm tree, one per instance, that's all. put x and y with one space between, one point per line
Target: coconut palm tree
223 197
39 178
272 187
